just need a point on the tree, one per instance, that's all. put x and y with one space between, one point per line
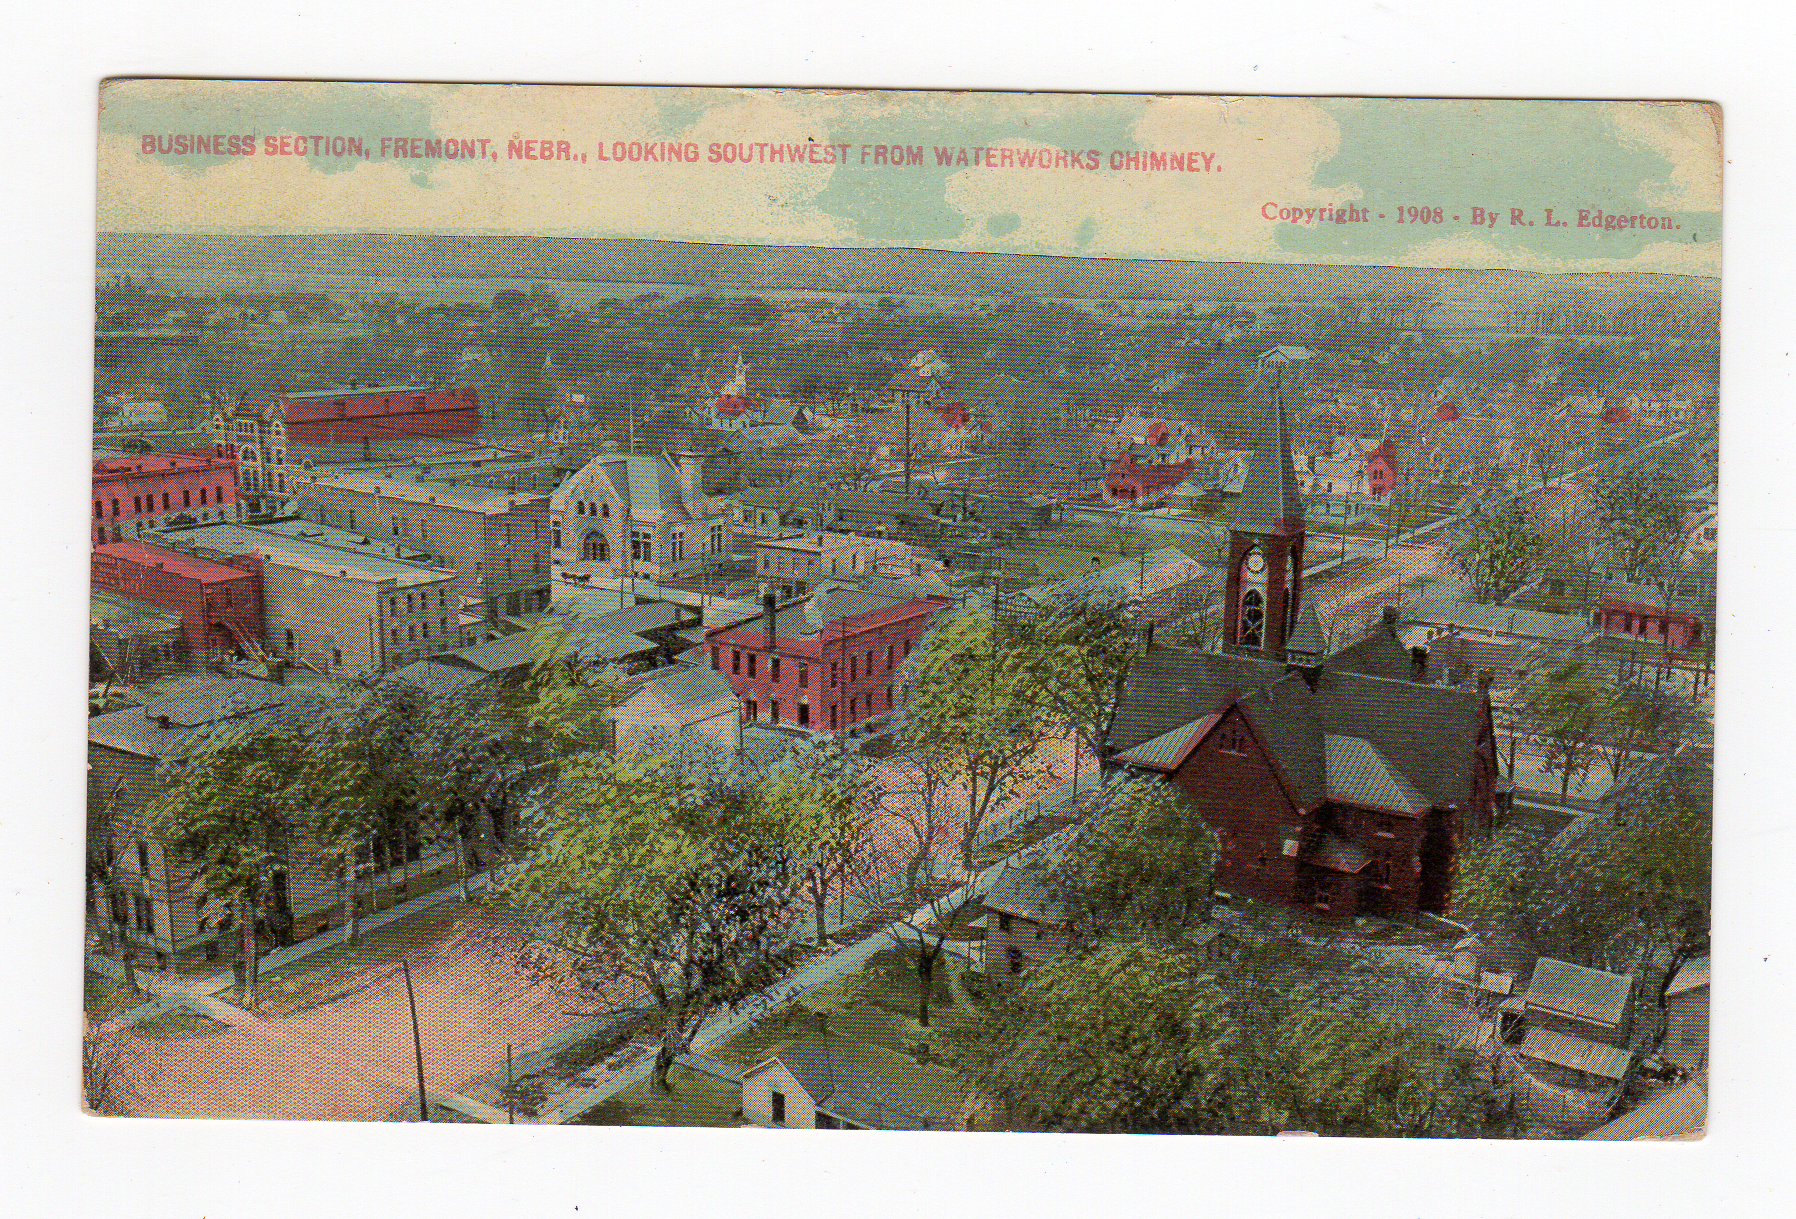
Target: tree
1142 863
475 769
977 708
1640 517
1497 551
636 875
812 802
1658 866
223 810
1081 644
1559 709
1127 1038
355 776
105 847
112 1069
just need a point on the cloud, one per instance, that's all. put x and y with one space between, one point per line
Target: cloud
1265 149
1688 135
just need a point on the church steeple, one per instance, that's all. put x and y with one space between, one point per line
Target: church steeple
1265 575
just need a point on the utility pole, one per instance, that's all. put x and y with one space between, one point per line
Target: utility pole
411 1000
907 406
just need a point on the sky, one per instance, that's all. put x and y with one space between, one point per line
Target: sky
1426 183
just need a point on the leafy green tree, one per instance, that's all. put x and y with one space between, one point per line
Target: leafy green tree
1128 1038
1081 644
1142 863
355 776
224 810
1559 709
637 876
977 707
1497 552
1640 517
475 771
813 803
1657 868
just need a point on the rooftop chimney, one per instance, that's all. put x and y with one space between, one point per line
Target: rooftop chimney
1390 614
1418 664
1484 680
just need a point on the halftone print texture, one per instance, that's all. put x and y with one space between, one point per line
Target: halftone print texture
902 611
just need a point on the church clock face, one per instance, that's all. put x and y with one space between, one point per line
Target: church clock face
1256 562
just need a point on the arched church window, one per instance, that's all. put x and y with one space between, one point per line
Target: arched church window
1253 618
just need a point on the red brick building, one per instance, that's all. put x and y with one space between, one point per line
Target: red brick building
1130 483
138 492
379 412
1342 783
825 662
1381 469
1641 611
220 604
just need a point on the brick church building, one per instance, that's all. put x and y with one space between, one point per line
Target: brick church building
1342 782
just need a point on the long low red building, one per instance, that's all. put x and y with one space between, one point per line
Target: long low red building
379 412
220 604
824 662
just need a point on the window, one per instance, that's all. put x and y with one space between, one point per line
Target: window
779 1107
826 1122
165 501
751 664
1253 618
442 598
410 603
186 501
853 667
907 647
219 496
888 657
1004 923
99 509
443 625
555 537
773 710
717 539
854 709
604 510
336 658
678 545
424 629
804 715
1013 957
143 858
1232 738
641 545
392 607
115 507
288 635
136 503
735 661
202 497
835 671
717 658
773 669
804 676
395 634
751 711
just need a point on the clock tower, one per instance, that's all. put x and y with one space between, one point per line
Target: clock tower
1265 564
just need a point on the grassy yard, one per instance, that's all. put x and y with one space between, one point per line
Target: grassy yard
696 1100
104 997
173 1026
326 975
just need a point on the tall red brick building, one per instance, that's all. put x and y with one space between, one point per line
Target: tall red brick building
220 604
1344 783
135 492
824 663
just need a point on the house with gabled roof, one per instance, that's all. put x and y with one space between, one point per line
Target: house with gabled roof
1340 782
832 1083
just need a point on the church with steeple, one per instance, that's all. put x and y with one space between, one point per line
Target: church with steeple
1342 782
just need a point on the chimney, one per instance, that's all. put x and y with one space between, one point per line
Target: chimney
1484 680
691 467
1390 619
767 604
1418 664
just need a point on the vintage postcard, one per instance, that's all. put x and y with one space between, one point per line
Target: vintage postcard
808 609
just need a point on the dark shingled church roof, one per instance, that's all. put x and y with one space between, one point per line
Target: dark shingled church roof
1269 499
1424 733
